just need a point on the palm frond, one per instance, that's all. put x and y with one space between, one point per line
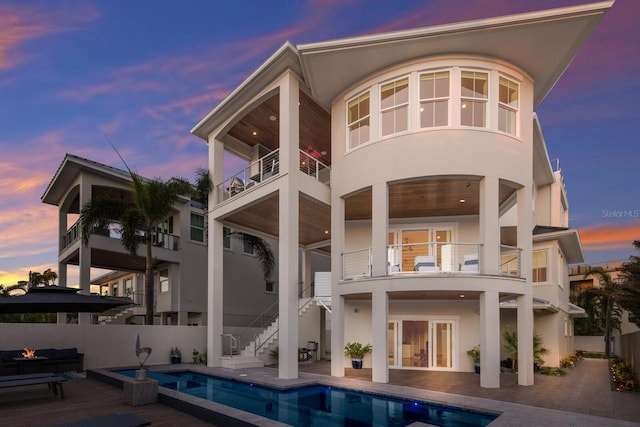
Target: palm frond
99 212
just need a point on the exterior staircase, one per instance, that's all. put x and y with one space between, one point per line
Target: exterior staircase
254 353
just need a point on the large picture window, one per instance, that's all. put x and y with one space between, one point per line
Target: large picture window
434 99
359 121
539 266
394 107
507 105
474 96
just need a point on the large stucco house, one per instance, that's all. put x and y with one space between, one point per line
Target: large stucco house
416 159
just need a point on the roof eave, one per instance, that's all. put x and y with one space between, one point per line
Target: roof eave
569 241
286 57
531 51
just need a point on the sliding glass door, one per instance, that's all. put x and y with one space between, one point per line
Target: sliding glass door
421 344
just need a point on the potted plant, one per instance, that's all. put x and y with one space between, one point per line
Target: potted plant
175 354
475 355
356 352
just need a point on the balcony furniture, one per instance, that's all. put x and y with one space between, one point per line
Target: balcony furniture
425 264
30 365
52 380
469 264
48 360
236 186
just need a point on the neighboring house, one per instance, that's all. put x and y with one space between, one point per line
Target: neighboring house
179 246
416 160
580 283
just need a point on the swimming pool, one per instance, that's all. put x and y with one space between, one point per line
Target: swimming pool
317 405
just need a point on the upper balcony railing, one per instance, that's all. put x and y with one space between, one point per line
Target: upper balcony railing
314 168
256 173
266 168
158 238
430 258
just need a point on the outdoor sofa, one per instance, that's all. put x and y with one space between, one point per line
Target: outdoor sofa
53 360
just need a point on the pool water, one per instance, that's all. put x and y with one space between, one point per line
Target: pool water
317 405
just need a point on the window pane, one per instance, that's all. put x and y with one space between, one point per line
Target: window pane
387 122
427 89
479 114
474 85
197 234
402 92
426 114
441 113
442 84
386 96
508 92
402 119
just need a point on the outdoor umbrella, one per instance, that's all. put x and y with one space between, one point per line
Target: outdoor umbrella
57 299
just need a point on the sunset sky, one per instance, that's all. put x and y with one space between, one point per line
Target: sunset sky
142 73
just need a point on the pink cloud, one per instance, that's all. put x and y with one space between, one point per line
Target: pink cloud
20 24
610 236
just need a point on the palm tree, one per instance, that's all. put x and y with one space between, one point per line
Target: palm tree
511 347
49 277
152 202
630 272
257 245
605 297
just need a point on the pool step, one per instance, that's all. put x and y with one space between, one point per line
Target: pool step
238 362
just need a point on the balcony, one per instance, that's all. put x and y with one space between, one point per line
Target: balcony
159 239
266 168
432 258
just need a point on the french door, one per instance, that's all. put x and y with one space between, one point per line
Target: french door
421 344
407 244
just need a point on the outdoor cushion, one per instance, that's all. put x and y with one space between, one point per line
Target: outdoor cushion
8 355
66 353
49 353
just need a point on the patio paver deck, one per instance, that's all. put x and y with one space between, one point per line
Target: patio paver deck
582 398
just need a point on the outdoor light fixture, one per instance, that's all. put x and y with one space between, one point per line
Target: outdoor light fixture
273 118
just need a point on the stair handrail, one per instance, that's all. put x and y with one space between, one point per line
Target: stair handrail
259 345
233 343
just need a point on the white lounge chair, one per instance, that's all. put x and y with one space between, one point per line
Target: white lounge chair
425 263
469 264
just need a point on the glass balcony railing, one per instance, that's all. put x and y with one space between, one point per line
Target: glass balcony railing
431 258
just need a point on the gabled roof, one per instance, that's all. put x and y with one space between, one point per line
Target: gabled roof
69 169
541 43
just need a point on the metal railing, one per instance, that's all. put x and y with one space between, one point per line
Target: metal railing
434 257
356 264
253 331
265 168
431 257
112 231
510 261
71 236
313 167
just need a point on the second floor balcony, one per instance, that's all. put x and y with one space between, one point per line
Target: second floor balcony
431 258
158 238
266 168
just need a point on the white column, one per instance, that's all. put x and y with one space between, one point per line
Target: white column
525 301
489 226
337 302
379 221
379 326
215 256
62 281
489 340
84 262
215 294
289 202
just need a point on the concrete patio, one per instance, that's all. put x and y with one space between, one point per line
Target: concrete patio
582 398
